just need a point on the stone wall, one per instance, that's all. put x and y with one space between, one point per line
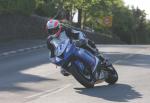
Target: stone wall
20 26
13 26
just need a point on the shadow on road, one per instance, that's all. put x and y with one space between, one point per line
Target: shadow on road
116 93
12 84
140 60
11 68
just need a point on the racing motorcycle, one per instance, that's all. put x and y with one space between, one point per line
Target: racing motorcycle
80 70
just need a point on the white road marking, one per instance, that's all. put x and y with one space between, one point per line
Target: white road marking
130 56
22 50
47 92
118 61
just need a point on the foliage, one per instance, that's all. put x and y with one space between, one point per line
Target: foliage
130 25
123 23
45 7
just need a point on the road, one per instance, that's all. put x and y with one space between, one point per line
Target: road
28 77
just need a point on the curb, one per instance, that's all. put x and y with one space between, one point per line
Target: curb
22 50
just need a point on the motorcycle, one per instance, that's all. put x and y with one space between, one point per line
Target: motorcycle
80 70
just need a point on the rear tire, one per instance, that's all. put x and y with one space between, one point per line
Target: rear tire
112 75
88 83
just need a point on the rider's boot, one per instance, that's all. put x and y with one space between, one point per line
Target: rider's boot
64 72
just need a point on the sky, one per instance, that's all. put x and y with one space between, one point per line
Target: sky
142 4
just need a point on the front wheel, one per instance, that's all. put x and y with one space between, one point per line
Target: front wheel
112 75
83 76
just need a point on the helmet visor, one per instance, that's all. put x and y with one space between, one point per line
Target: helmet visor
53 31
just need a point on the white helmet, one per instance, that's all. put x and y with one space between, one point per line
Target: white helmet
53 27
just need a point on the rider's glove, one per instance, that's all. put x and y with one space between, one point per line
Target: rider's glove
81 42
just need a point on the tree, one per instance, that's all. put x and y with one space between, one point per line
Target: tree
46 7
139 25
130 25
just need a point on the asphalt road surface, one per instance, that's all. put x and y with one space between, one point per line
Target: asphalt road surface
28 77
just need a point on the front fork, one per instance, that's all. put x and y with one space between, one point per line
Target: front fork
102 73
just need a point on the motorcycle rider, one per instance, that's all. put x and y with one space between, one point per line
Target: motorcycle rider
58 33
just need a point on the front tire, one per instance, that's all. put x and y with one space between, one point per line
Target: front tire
112 75
79 76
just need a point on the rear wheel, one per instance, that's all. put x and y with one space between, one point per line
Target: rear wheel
83 76
112 75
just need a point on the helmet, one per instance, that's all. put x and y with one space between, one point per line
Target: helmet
53 28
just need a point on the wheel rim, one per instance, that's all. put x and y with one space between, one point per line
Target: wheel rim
85 73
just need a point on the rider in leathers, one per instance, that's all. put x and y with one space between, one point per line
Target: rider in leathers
58 34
